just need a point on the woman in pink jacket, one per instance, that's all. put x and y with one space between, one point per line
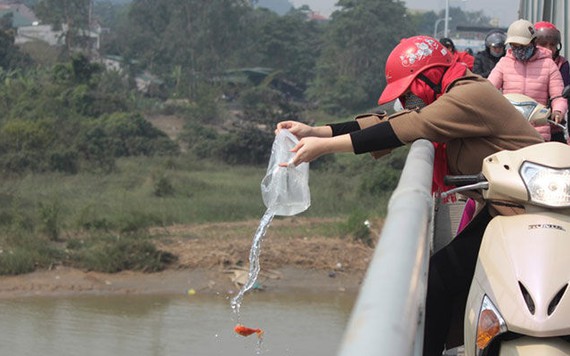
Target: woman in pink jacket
529 70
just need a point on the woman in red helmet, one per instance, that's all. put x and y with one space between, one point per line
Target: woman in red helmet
548 36
448 104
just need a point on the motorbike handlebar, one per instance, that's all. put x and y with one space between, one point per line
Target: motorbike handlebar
463 180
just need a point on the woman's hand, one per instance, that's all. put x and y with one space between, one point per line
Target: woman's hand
301 130
557 116
298 129
308 149
311 148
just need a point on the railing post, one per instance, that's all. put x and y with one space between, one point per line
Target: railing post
388 315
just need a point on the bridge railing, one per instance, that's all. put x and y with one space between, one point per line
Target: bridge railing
388 316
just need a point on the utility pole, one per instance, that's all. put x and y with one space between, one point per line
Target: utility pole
446 28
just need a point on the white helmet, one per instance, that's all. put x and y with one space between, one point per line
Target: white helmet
521 32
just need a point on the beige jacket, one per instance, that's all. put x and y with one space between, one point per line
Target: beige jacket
472 118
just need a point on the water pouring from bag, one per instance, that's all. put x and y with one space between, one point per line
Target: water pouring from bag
285 192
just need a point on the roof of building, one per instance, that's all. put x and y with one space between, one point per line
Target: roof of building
21 14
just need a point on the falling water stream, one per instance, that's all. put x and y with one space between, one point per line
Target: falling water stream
254 265
285 192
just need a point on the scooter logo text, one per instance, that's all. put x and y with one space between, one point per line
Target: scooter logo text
546 226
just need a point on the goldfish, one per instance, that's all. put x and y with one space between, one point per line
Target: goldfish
245 331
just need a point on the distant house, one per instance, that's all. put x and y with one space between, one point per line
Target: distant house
315 16
28 26
113 63
150 84
20 13
40 33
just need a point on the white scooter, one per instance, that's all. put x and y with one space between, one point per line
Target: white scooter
519 301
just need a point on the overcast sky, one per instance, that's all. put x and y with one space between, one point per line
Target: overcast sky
505 10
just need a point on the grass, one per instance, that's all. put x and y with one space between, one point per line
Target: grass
104 219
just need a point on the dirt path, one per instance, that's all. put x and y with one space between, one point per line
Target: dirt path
213 258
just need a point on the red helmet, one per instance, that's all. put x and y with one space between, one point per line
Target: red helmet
546 30
408 59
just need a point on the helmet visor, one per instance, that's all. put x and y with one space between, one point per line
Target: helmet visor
395 90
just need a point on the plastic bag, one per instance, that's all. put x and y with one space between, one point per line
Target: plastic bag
285 190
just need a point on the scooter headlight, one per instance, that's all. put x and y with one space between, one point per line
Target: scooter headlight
547 186
489 325
526 108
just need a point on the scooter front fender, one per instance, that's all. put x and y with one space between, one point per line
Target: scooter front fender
524 257
529 346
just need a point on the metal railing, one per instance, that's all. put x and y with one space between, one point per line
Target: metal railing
388 316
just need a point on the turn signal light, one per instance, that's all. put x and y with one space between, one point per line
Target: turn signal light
489 325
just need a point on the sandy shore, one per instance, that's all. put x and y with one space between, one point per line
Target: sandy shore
67 281
212 258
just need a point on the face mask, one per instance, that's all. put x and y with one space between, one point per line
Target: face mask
497 51
413 102
523 54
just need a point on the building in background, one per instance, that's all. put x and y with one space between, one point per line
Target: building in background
20 14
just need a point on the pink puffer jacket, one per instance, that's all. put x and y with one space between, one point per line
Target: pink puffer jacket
538 78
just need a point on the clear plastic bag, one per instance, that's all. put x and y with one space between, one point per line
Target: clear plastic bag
285 190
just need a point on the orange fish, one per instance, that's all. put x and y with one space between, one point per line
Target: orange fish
245 331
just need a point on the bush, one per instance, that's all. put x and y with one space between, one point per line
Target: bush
132 135
383 176
17 261
246 145
381 180
88 220
357 228
24 144
136 221
111 254
266 106
163 187
65 161
50 217
21 162
122 135
23 253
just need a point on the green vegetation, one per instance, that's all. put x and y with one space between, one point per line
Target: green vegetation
101 221
85 174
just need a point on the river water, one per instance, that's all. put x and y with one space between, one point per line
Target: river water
294 325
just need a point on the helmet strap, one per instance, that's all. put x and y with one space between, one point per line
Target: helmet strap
435 87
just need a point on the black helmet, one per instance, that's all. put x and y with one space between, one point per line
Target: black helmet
447 42
495 39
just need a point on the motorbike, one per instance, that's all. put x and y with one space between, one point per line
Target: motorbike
519 300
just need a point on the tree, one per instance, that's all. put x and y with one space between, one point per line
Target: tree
10 55
202 37
359 38
426 21
288 43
